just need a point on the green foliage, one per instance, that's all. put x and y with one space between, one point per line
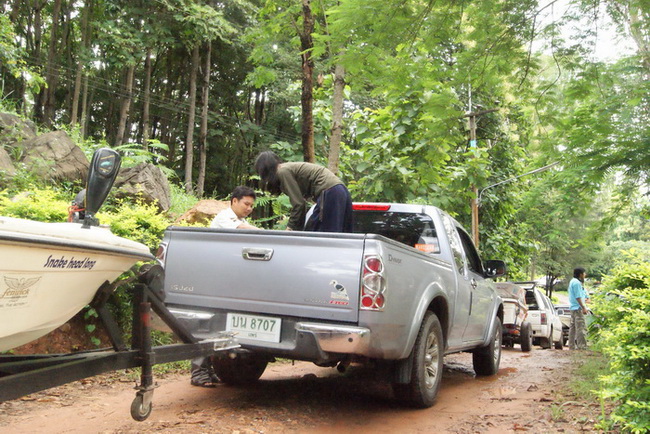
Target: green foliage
271 212
180 200
622 307
136 221
41 204
134 154
12 57
90 328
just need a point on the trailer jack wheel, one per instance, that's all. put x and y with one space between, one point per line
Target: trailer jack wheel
142 405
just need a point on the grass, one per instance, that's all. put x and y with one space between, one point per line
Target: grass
590 366
585 386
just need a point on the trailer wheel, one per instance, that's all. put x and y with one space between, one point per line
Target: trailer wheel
426 361
486 359
526 337
239 371
139 411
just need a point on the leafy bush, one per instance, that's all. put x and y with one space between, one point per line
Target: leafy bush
180 200
623 311
40 204
136 221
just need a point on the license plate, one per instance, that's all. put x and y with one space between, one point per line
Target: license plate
259 328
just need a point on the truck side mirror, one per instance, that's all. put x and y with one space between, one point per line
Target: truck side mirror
495 268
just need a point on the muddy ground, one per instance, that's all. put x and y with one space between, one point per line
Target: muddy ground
529 394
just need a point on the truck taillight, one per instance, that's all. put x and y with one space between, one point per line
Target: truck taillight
373 285
370 207
542 318
160 254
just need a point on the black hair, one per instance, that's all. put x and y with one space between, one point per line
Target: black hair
578 271
240 192
266 165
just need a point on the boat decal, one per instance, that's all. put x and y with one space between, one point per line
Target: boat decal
16 292
70 263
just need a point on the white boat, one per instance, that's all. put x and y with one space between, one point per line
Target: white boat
50 271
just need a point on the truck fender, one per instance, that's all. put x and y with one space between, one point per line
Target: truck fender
497 311
433 292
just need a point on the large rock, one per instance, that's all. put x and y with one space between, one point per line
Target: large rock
204 211
145 181
15 130
7 168
54 156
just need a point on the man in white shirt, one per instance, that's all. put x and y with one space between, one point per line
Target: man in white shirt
242 200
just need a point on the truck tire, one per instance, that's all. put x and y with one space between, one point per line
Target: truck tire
426 361
240 370
559 344
526 337
545 343
486 359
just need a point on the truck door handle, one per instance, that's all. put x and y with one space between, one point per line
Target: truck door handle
473 283
257 253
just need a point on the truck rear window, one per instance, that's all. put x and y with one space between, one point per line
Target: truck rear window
415 230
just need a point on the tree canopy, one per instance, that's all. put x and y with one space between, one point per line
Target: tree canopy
382 91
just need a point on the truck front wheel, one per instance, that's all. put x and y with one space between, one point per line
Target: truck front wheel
240 370
426 365
486 359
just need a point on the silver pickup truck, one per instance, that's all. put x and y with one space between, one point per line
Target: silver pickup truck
405 289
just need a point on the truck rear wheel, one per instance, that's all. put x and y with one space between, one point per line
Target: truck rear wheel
426 361
240 370
526 337
486 359
545 343
559 344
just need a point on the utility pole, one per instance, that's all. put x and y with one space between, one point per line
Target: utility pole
474 200
473 143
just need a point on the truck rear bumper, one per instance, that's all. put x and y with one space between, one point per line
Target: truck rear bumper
337 339
303 340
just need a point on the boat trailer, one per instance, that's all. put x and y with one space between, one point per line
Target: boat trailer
21 375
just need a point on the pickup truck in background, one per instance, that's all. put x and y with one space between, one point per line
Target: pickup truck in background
545 321
401 292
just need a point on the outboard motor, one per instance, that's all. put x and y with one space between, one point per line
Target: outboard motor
102 173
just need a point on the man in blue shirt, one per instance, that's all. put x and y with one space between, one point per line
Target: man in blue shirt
577 302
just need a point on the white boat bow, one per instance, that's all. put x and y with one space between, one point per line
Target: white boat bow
50 271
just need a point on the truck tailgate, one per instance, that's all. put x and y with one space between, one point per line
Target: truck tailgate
300 274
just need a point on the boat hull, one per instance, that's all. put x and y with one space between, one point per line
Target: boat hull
50 271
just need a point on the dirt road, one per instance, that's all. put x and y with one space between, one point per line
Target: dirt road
526 396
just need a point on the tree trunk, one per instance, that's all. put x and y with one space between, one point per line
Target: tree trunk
38 38
636 24
146 100
203 136
84 107
51 73
307 98
189 142
67 42
165 123
80 62
337 119
126 106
